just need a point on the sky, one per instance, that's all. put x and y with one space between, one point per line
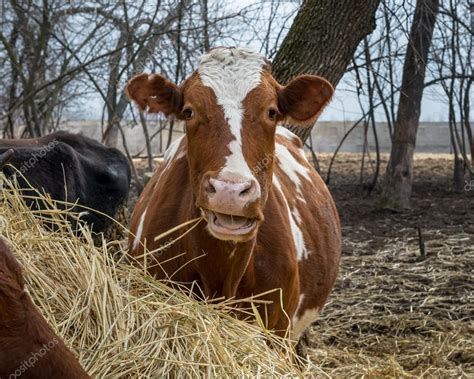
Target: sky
344 106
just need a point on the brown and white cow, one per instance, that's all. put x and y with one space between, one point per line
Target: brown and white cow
270 222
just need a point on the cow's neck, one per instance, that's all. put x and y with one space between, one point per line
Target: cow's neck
222 265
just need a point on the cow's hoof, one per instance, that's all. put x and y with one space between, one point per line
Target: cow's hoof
302 346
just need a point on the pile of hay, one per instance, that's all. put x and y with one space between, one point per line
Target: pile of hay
118 320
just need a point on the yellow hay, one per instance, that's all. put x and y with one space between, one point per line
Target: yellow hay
119 321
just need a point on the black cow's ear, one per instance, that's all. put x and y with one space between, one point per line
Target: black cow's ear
154 93
302 100
5 157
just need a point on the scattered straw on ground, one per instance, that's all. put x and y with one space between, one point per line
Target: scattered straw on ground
397 314
122 323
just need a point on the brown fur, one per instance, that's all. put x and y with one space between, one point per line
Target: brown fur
25 337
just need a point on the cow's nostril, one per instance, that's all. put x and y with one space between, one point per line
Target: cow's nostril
210 189
247 190
209 186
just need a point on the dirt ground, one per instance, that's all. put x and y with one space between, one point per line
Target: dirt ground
395 312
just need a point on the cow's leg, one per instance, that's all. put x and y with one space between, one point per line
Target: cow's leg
302 321
303 344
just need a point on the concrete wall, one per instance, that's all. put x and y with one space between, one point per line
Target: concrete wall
432 137
134 135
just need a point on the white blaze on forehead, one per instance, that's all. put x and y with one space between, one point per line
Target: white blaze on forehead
232 73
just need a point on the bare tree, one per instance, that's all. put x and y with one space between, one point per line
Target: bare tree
399 174
322 41
452 57
32 58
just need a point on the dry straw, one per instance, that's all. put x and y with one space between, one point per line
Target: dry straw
392 314
119 321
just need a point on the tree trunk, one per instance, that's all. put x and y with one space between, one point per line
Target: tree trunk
458 175
111 134
322 41
467 111
399 174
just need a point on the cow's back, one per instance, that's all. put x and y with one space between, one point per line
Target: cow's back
70 167
25 334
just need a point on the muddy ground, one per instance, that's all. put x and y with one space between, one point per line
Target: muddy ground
396 312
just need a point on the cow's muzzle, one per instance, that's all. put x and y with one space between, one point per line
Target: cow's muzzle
231 207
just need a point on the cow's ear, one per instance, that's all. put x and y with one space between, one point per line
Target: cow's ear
302 100
6 157
155 94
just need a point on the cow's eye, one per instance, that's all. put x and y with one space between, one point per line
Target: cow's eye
272 113
188 113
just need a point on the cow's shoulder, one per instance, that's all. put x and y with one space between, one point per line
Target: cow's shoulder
173 158
168 181
304 196
292 168
284 135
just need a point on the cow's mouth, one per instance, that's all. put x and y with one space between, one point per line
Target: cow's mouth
226 226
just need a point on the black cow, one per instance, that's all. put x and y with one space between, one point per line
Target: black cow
70 167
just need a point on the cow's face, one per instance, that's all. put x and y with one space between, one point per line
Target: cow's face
231 105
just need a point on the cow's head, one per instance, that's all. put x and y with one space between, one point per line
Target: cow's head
231 105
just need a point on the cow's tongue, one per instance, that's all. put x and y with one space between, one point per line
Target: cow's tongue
231 222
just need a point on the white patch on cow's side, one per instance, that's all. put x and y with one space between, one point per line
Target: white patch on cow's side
171 151
296 215
284 132
291 167
301 323
138 235
291 137
277 184
301 251
232 73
